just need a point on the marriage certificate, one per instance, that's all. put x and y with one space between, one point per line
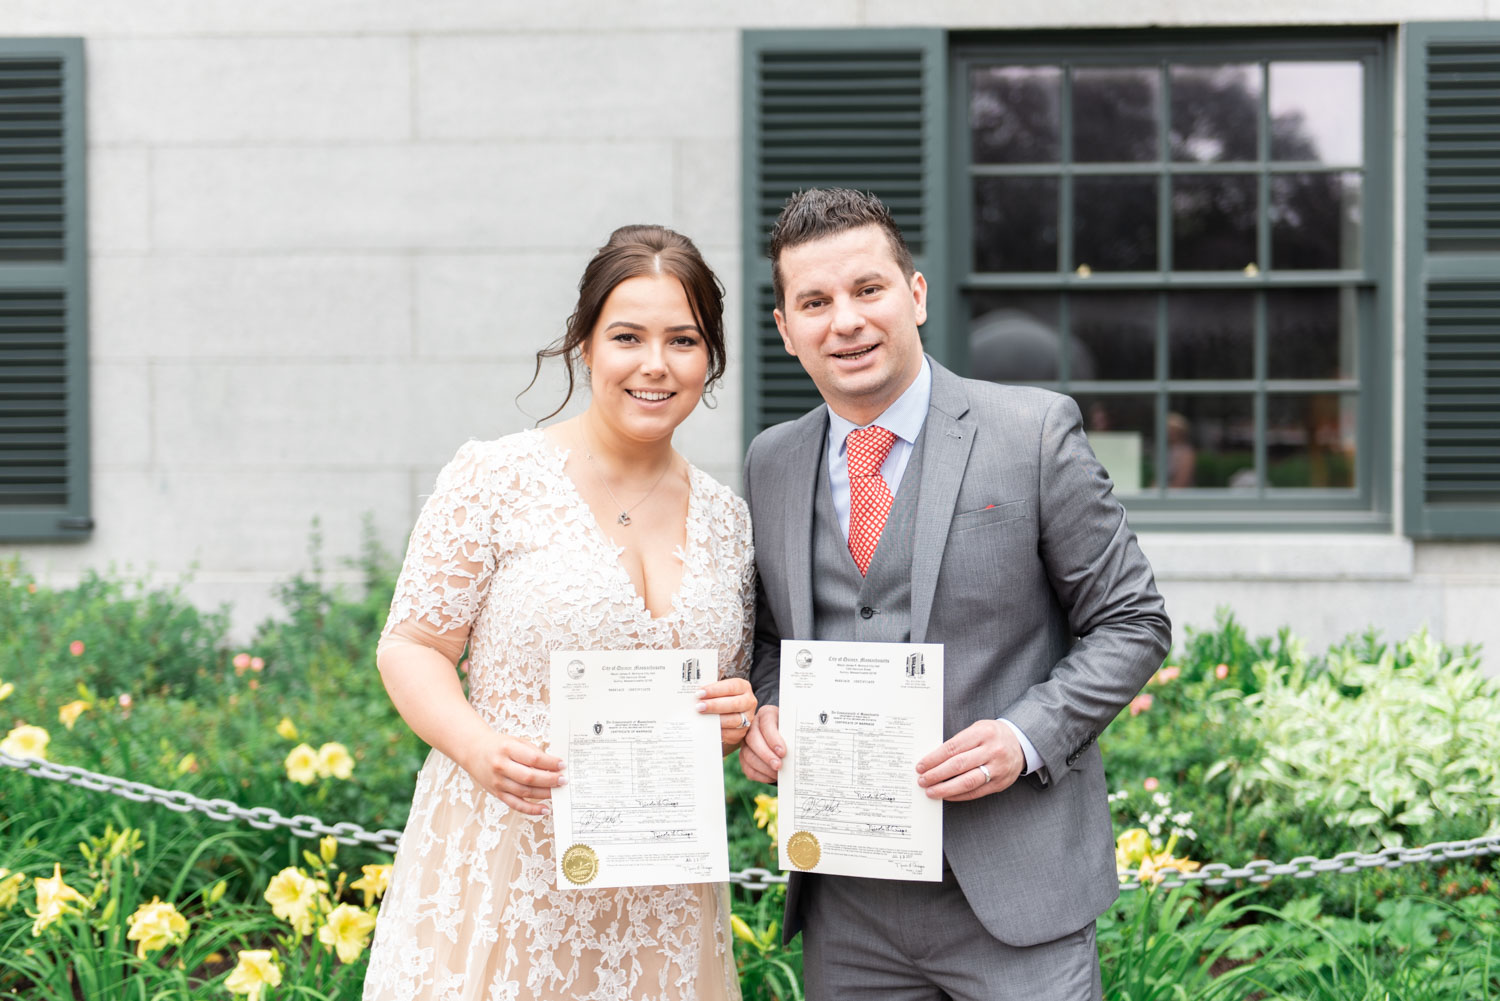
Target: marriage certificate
644 803
856 718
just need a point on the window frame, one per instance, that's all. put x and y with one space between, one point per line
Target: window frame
1368 505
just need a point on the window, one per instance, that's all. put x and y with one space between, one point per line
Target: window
1176 235
43 270
1190 231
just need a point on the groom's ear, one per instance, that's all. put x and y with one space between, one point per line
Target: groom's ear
786 341
919 294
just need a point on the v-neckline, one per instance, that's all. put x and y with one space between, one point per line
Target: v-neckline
601 537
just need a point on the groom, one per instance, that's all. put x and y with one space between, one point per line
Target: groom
921 507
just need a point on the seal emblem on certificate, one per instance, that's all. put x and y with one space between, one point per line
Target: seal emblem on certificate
856 718
644 803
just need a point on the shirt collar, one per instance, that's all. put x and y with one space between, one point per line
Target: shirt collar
904 417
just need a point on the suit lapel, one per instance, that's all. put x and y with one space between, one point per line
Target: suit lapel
802 481
944 461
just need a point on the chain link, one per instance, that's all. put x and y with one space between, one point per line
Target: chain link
265 818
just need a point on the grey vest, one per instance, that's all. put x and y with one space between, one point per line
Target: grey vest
875 608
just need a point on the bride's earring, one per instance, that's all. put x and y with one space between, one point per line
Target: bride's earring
709 400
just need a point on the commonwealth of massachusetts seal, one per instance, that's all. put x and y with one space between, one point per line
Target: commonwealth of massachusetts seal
803 849
580 864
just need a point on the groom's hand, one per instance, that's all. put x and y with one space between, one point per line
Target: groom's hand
952 771
762 751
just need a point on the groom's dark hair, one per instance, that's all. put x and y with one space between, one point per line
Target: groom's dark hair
818 212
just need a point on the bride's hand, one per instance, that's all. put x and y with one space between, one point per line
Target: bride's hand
517 772
734 703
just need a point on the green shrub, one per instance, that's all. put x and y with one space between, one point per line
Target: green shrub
1382 744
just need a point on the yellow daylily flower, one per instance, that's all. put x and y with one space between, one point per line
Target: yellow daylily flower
1131 847
52 899
742 930
255 971
10 887
6 688
286 729
68 714
302 765
328 848
334 760
155 926
767 814
292 894
374 881
347 930
1152 866
26 742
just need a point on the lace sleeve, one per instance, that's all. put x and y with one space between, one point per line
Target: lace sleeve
451 556
744 550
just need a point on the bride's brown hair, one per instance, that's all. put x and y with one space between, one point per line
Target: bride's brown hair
633 252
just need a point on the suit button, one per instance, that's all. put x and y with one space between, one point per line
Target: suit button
866 612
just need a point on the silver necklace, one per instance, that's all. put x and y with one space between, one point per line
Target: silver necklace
624 518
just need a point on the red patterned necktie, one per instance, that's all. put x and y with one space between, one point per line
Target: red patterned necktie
869 497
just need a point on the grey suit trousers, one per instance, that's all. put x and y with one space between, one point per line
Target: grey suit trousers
903 941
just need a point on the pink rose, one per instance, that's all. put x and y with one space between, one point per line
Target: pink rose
1169 673
256 664
241 661
1151 785
1141 703
1221 672
76 648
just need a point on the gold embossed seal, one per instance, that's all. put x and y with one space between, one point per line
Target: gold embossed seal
803 849
580 864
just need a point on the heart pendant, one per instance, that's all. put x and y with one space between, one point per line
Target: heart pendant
624 518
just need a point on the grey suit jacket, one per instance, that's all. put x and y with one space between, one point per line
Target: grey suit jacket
1025 570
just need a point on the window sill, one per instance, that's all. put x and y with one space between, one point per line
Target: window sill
1245 555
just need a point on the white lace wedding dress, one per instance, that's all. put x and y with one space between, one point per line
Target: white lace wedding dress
507 550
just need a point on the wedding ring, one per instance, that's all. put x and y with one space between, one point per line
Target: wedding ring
987 775
744 722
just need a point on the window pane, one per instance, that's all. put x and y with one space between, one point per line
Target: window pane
1211 441
1315 220
1310 439
1015 224
1317 112
1114 334
1213 222
1211 335
1115 228
1121 431
1015 114
1115 115
1311 334
1013 336
1215 113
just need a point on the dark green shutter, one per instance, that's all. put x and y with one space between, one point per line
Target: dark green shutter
858 109
1453 281
44 440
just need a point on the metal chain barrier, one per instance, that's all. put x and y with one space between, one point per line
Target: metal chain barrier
265 818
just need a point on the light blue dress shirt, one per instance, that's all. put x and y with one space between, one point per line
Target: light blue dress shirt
904 418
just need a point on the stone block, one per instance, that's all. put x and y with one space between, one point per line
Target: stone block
519 195
578 85
119 414
119 192
236 90
495 306
707 194
150 18
1166 13
347 306
329 415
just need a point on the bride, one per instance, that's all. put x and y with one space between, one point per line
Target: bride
591 533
